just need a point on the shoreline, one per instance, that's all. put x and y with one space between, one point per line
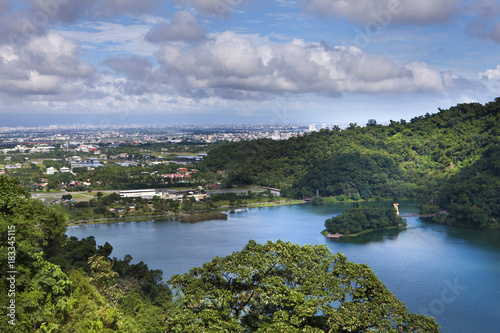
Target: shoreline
364 232
178 216
219 209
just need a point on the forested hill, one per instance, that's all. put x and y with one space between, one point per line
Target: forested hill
450 159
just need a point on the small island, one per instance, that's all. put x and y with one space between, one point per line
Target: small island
360 219
198 217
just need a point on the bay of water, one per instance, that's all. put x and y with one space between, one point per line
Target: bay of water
450 273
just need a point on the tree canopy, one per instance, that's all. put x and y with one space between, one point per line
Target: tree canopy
55 284
360 218
285 287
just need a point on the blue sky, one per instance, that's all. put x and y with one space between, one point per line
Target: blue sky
239 61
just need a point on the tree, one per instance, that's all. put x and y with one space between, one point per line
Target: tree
10 194
52 184
316 201
288 288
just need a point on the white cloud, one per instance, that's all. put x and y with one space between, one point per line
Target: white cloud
45 65
491 74
386 11
231 64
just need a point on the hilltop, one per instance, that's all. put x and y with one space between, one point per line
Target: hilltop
448 160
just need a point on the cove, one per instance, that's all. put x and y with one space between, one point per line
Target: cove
450 273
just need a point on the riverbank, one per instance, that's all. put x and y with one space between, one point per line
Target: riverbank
120 219
198 217
132 218
364 232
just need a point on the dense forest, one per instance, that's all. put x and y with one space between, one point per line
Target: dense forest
448 160
357 219
51 283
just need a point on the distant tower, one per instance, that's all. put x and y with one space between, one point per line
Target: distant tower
396 208
312 128
323 126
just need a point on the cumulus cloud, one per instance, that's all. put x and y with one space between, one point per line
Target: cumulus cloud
386 11
488 86
219 8
491 74
182 27
44 65
231 64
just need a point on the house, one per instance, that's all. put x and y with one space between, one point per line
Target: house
50 171
64 169
13 166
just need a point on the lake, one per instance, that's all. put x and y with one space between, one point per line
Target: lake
450 273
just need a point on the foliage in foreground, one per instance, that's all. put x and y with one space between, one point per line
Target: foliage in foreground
70 286
285 287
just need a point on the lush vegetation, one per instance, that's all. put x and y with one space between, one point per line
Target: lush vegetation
284 287
60 284
55 284
449 159
360 218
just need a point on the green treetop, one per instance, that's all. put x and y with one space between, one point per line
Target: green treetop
285 287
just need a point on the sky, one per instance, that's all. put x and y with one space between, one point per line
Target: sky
114 62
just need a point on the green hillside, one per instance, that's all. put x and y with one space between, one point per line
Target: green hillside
448 159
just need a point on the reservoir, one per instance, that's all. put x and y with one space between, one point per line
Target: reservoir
450 273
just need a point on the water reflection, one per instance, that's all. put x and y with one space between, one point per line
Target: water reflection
415 263
371 237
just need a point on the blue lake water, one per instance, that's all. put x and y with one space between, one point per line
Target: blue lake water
450 273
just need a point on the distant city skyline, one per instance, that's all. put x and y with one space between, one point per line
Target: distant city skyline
113 62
